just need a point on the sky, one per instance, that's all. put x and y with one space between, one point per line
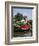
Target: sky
24 12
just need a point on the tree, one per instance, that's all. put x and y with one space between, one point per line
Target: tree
18 16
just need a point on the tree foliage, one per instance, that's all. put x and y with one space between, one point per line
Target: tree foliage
18 16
